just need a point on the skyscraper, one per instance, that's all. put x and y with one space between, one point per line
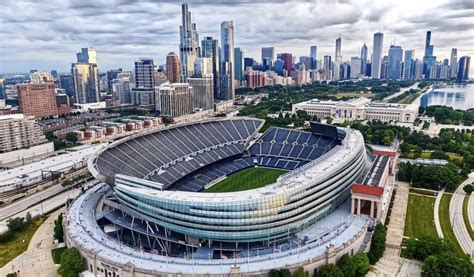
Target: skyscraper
189 43
38 100
454 63
65 82
239 65
111 76
202 84
227 85
395 56
463 70
338 57
327 63
121 90
172 67
313 55
268 57
144 73
174 99
3 94
288 62
377 55
363 58
428 59
356 66
210 49
85 77
408 65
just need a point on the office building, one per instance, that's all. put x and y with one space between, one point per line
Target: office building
66 83
280 67
338 56
384 67
428 59
287 59
227 84
172 67
454 63
306 61
336 71
144 97
463 68
239 65
41 77
85 77
38 100
210 49
408 65
363 58
395 56
356 66
418 69
189 43
111 76
359 109
327 63
313 55
377 55
18 131
174 99
121 90
268 57
3 93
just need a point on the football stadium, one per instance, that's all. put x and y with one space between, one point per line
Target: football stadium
219 197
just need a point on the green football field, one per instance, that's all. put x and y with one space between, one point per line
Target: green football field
249 178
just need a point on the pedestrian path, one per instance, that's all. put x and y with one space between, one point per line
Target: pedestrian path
439 231
36 260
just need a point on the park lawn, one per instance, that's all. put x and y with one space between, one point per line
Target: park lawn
445 222
249 178
425 155
420 217
466 217
14 247
428 192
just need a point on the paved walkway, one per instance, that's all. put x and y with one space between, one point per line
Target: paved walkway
36 260
470 210
457 220
439 231
391 264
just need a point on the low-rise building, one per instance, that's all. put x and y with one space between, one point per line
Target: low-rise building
359 109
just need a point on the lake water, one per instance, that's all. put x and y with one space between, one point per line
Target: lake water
459 97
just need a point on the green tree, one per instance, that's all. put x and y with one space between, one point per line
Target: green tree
468 189
347 266
378 243
447 264
284 272
28 218
361 263
71 137
16 224
300 272
274 273
72 263
329 270
58 228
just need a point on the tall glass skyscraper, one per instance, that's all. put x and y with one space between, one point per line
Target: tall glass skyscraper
189 43
313 53
428 59
338 56
454 63
408 64
363 58
463 70
85 77
268 57
210 49
227 85
239 65
377 55
395 55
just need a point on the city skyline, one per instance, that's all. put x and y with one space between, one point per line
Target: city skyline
119 42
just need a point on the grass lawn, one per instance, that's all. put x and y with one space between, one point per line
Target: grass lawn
15 246
420 217
56 253
424 191
466 217
339 95
446 223
249 178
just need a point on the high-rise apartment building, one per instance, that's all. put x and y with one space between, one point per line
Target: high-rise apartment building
287 58
111 76
338 56
463 68
268 57
144 73
202 84
239 65
85 77
408 64
172 67
313 55
38 100
377 55
227 84
363 58
174 99
454 63
189 43
18 131
121 90
210 49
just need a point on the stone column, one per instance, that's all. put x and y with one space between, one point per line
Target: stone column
353 206
372 203
358 206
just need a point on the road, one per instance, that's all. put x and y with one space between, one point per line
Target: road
457 221
402 90
54 197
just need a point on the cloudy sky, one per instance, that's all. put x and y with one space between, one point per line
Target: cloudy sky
45 35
